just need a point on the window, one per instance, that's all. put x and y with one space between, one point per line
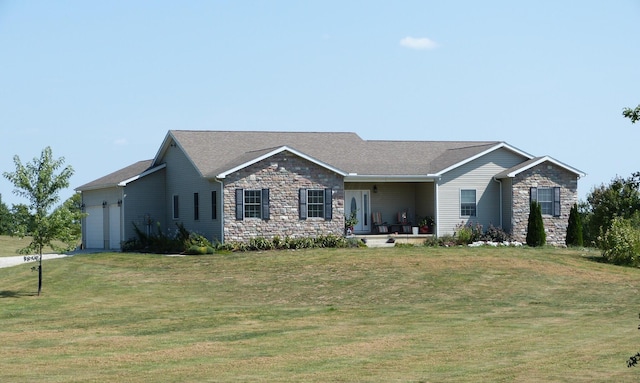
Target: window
176 207
196 207
468 203
252 204
214 205
548 198
315 203
545 199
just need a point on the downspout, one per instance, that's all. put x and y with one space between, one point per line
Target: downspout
221 198
437 207
500 182
83 222
122 217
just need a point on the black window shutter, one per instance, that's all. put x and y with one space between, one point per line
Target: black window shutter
265 204
239 204
328 204
214 205
556 202
302 202
533 194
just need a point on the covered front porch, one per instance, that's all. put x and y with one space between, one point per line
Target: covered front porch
392 208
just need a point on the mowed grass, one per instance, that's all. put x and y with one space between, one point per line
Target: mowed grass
9 246
331 315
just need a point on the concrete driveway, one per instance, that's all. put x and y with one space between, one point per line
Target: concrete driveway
19 260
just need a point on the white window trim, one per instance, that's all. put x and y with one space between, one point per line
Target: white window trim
245 204
309 204
460 203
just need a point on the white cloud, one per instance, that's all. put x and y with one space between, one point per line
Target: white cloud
419 43
121 142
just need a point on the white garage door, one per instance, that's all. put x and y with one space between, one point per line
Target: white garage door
94 227
114 227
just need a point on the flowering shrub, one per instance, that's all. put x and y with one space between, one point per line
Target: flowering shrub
467 233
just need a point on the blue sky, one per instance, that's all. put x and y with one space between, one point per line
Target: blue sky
101 83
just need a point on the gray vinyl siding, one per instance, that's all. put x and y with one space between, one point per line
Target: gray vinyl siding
184 180
476 175
144 203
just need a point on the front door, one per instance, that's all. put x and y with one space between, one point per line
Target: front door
358 201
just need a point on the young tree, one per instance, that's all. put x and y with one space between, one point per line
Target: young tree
40 184
574 229
535 226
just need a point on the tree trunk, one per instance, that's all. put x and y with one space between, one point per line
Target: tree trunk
40 274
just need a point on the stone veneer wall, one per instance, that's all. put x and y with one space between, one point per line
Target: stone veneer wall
544 175
283 174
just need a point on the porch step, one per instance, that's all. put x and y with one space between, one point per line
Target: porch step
380 242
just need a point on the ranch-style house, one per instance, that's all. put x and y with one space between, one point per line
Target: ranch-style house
236 185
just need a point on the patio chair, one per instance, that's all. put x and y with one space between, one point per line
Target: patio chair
379 226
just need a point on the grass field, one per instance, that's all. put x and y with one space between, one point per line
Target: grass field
9 246
356 315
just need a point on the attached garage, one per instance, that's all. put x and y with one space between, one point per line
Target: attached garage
114 227
127 195
94 234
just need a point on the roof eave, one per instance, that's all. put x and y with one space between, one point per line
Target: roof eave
390 178
95 187
143 174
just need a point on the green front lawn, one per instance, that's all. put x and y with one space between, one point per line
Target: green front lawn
331 315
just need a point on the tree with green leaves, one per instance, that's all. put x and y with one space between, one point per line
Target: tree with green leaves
632 114
40 182
620 198
21 220
574 229
535 226
5 218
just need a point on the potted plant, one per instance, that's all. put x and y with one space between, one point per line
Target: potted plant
350 222
426 225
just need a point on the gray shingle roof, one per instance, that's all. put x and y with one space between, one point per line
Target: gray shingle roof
214 152
113 179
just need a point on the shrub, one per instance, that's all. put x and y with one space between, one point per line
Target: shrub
331 240
182 242
286 243
466 234
620 244
574 229
446 240
535 226
199 250
260 243
495 234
